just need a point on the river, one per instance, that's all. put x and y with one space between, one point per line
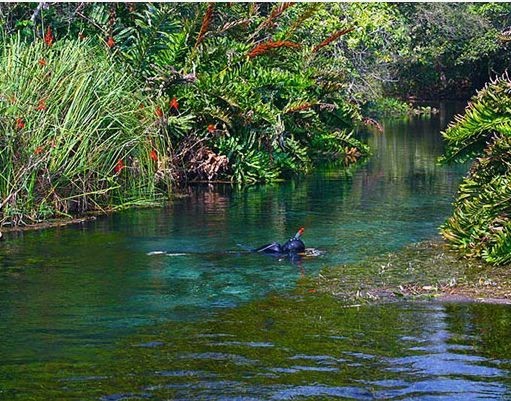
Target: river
168 304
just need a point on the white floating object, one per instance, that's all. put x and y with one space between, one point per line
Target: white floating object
156 253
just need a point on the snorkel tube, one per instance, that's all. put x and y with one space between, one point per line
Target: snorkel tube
295 244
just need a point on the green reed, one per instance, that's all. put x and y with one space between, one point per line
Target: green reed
75 133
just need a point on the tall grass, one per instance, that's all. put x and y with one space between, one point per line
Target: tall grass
75 133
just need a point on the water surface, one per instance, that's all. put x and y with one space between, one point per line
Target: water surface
88 313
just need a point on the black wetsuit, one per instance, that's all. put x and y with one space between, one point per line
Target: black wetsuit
292 246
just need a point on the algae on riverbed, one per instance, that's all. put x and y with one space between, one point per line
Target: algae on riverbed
290 347
424 269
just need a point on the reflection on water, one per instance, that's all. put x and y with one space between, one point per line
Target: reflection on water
288 348
73 299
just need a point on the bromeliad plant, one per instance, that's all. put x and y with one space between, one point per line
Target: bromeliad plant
75 133
481 223
261 94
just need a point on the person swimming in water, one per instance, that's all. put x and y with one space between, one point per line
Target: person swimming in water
292 246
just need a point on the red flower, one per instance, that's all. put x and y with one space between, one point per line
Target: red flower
38 150
110 42
48 37
20 124
42 62
174 104
159 112
41 106
119 166
211 127
81 36
154 155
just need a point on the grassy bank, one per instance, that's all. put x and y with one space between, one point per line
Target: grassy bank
76 134
182 94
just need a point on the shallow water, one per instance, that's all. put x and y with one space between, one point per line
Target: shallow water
95 312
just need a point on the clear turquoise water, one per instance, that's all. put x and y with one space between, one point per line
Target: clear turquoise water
87 313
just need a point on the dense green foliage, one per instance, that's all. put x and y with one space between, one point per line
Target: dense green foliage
109 104
394 108
416 49
258 90
240 92
452 48
72 133
481 223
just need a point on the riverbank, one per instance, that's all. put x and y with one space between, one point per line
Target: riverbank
135 132
423 271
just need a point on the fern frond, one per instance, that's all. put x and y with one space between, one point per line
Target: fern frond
488 113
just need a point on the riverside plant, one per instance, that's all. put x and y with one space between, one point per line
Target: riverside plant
268 93
166 93
481 223
76 134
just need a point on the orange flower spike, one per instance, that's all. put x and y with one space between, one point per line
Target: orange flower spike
38 150
174 104
119 166
333 37
48 37
154 155
42 62
158 112
41 106
265 47
110 42
211 128
20 124
206 20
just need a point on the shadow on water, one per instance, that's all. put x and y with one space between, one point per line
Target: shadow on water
87 313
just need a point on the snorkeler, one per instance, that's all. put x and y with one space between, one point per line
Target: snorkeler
293 246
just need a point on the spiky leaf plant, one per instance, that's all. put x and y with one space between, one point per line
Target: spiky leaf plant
243 70
481 223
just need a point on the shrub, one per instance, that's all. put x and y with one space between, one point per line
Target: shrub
481 223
